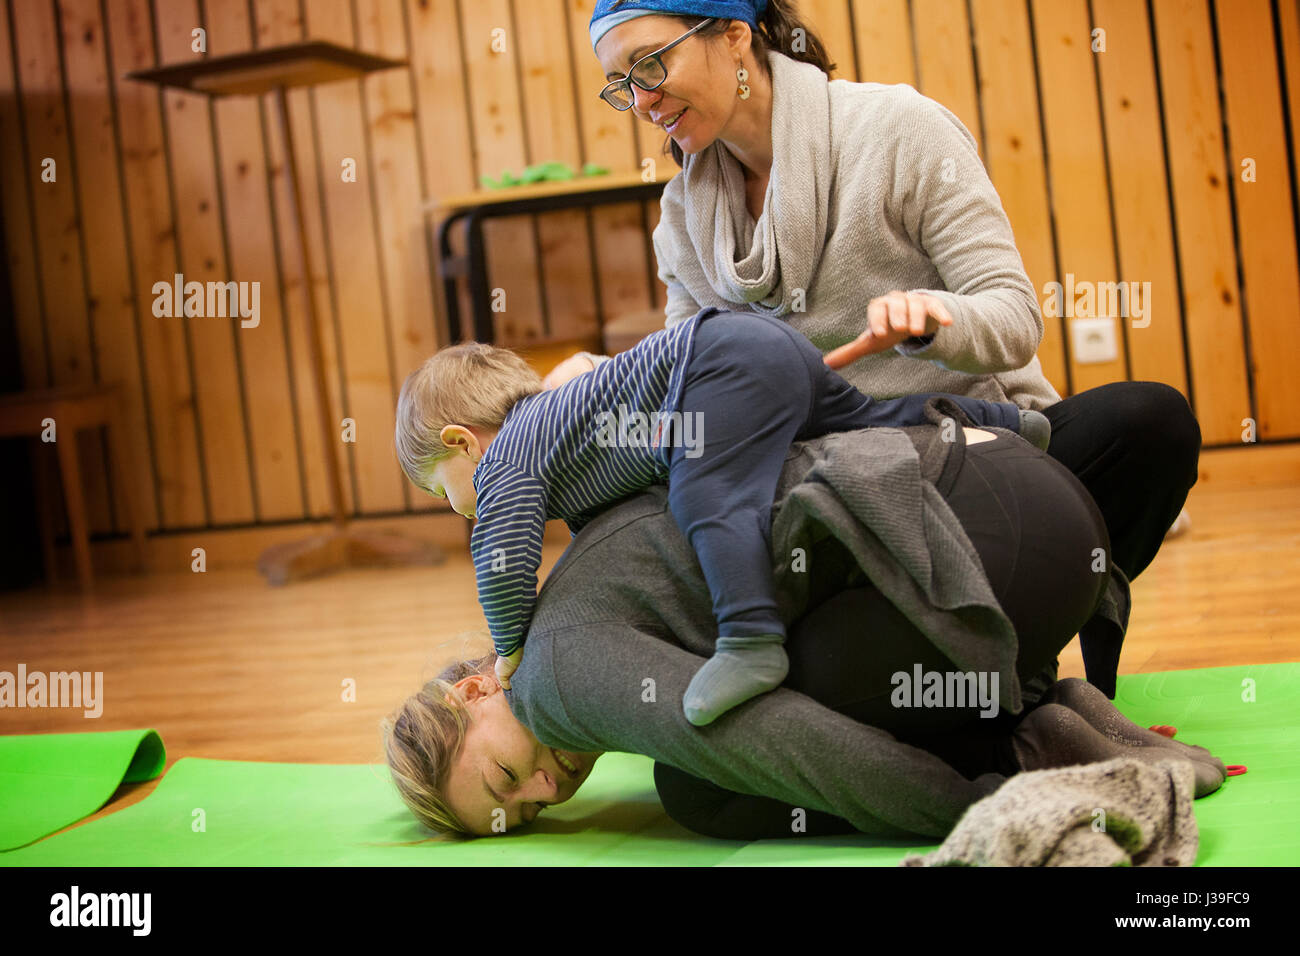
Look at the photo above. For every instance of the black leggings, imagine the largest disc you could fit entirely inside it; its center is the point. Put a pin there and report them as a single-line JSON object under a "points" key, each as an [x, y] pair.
{"points": [[1037, 531], [1135, 446], [1044, 546]]}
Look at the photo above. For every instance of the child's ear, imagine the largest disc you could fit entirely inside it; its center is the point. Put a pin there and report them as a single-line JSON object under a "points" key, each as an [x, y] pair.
{"points": [[454, 437]]}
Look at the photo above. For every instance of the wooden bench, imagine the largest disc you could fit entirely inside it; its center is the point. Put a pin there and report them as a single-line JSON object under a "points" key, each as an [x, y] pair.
{"points": [[72, 409]]}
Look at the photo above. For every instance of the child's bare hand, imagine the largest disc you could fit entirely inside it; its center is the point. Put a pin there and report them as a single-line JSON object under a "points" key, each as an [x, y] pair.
{"points": [[507, 666], [570, 368]]}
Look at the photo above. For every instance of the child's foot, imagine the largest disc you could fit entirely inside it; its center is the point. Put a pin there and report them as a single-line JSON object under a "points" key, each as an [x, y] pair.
{"points": [[1035, 428], [740, 668]]}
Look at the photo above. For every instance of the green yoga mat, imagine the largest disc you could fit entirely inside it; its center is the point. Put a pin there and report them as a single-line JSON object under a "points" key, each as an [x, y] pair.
{"points": [[218, 813], [48, 781]]}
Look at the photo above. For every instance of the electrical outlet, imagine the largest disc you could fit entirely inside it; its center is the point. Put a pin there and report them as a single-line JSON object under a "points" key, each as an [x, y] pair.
{"points": [[1094, 340]]}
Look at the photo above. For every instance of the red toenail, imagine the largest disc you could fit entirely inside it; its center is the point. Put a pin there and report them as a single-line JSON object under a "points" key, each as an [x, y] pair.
{"points": [[1165, 730], [1236, 769]]}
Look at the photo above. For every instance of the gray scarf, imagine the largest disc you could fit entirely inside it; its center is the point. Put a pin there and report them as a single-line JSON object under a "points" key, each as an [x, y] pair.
{"points": [[766, 264]]}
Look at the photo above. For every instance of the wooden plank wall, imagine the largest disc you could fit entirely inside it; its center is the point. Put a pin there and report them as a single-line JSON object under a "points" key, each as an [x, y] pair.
{"points": [[1130, 140]]}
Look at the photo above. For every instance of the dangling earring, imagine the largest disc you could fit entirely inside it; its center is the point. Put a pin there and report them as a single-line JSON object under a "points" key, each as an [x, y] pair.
{"points": [[742, 75]]}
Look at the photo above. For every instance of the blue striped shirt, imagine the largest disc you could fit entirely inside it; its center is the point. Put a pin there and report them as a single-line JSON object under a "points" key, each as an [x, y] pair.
{"points": [[566, 454]]}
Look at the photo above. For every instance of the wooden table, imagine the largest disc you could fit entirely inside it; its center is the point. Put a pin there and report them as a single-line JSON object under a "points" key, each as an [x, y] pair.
{"points": [[476, 207], [71, 409]]}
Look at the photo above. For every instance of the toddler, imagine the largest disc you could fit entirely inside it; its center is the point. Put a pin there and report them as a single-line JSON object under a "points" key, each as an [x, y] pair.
{"points": [[710, 406]]}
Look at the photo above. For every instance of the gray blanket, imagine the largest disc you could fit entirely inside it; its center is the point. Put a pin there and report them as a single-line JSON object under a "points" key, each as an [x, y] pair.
{"points": [[1123, 812]]}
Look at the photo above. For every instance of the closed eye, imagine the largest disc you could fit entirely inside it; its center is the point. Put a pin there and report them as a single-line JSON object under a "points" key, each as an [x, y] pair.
{"points": [[540, 805]]}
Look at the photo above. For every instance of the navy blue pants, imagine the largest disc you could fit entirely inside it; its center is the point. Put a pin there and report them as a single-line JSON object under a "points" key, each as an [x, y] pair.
{"points": [[756, 385]]}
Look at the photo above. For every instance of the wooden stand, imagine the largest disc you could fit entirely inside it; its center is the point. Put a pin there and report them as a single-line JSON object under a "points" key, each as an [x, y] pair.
{"points": [[273, 71], [342, 548]]}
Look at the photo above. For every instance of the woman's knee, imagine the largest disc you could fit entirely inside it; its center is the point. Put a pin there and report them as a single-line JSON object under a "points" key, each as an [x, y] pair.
{"points": [[1156, 419], [688, 800]]}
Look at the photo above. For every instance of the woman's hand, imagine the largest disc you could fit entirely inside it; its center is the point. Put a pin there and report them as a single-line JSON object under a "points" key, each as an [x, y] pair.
{"points": [[506, 666], [892, 318], [570, 368]]}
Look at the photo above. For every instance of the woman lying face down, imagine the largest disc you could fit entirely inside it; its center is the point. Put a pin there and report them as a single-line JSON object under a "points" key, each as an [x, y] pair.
{"points": [[490, 773], [628, 602], [463, 763]]}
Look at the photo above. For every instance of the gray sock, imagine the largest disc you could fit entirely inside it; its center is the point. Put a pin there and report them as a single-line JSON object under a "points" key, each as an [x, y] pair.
{"points": [[1035, 428], [1094, 707], [1052, 735], [740, 668]]}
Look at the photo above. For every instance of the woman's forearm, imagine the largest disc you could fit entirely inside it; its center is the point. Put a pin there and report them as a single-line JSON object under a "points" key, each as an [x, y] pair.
{"points": [[995, 330]]}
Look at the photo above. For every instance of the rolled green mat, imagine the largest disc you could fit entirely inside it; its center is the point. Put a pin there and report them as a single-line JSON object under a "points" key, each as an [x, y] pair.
{"points": [[48, 781]]}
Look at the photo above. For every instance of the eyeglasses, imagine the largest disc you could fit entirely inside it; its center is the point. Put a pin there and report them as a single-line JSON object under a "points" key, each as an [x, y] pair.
{"points": [[648, 73]]}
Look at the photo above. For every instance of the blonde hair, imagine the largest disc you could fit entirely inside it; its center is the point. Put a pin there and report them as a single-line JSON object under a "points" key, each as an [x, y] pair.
{"points": [[470, 384], [422, 738]]}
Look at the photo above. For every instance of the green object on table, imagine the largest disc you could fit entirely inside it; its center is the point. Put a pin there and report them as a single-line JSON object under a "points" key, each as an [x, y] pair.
{"points": [[550, 171], [309, 815], [48, 781]]}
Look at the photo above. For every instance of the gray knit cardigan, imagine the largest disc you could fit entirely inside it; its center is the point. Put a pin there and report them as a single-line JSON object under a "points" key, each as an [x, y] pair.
{"points": [[903, 202]]}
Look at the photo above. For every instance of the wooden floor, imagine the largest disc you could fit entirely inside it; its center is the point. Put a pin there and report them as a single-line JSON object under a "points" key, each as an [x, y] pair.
{"points": [[223, 666]]}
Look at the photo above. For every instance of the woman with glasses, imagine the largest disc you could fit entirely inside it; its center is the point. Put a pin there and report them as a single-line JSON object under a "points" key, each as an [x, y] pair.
{"points": [[861, 214]]}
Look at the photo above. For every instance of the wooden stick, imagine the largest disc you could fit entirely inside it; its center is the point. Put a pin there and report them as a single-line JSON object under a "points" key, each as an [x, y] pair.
{"points": [[328, 436]]}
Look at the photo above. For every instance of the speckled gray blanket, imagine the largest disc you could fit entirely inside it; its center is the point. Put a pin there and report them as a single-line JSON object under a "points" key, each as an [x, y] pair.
{"points": [[1119, 813]]}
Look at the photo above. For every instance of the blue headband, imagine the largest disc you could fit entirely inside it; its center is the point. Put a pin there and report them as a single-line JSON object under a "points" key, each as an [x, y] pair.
{"points": [[604, 18]]}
